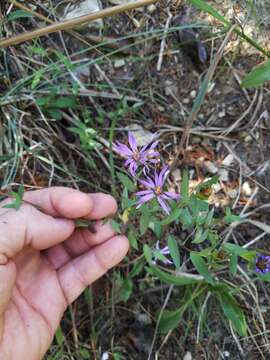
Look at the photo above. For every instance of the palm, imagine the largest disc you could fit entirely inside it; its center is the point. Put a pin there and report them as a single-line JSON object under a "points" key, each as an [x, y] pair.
{"points": [[36, 306], [44, 282]]}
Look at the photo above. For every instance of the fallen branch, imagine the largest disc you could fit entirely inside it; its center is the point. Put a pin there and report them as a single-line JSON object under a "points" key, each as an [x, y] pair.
{"points": [[69, 24]]}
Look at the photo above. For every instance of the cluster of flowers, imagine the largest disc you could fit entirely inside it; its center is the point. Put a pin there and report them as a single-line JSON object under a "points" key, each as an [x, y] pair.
{"points": [[144, 158]]}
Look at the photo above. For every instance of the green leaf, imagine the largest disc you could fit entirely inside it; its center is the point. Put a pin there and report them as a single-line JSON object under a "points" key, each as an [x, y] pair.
{"points": [[60, 337], [233, 312], [144, 222], [18, 199], [64, 102], [204, 6], [186, 218], [170, 320], [208, 183], [125, 180], [174, 251], [174, 215], [239, 251], [126, 289], [133, 239], [116, 227], [200, 236], [201, 267], [230, 218], [257, 76], [147, 251], [85, 354], [172, 279], [19, 14], [233, 264], [137, 268], [185, 186]]}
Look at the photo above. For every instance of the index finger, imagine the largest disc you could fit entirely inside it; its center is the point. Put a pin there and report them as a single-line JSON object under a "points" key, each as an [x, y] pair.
{"points": [[71, 203]]}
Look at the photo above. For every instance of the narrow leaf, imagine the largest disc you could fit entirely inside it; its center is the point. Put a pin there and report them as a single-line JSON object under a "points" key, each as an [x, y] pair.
{"points": [[201, 267], [174, 251]]}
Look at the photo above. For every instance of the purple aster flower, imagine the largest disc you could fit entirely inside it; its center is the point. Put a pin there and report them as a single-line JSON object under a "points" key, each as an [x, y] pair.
{"points": [[135, 156], [159, 251], [262, 264], [155, 190]]}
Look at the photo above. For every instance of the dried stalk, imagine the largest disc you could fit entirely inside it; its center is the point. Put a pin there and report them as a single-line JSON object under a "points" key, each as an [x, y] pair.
{"points": [[69, 24]]}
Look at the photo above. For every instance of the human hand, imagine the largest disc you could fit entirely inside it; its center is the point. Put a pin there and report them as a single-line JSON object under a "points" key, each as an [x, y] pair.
{"points": [[45, 264]]}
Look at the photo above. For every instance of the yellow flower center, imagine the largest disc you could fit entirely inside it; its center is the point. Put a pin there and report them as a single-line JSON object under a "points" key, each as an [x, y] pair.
{"points": [[136, 156], [158, 190]]}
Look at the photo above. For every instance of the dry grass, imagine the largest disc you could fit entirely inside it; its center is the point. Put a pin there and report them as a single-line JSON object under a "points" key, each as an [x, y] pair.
{"points": [[229, 135]]}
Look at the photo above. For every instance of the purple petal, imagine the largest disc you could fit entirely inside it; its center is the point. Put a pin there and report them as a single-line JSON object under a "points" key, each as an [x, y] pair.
{"points": [[144, 192], [164, 206], [162, 176], [132, 142], [171, 195], [145, 198], [154, 145], [122, 148], [149, 183], [133, 168]]}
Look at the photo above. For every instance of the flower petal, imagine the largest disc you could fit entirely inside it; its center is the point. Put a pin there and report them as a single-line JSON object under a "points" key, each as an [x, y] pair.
{"points": [[162, 176], [171, 195], [132, 142], [163, 204], [123, 149], [144, 192], [145, 198], [148, 183]]}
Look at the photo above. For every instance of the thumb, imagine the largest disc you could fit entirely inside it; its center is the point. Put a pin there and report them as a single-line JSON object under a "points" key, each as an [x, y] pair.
{"points": [[18, 229]]}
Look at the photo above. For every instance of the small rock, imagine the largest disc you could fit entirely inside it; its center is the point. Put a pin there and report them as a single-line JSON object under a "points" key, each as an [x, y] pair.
{"points": [[186, 100], [84, 8], [217, 187], [224, 175], [176, 175], [118, 63], [151, 8], [246, 189], [143, 319], [222, 113], [187, 356], [105, 356], [211, 167], [193, 94], [232, 193], [170, 88], [228, 160], [142, 136], [248, 138], [226, 354]]}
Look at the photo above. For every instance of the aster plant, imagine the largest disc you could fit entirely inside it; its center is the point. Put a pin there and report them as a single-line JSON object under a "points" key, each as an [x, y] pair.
{"points": [[157, 216]]}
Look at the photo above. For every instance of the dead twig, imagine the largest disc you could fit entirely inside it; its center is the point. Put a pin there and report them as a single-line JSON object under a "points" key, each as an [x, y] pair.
{"points": [[69, 24]]}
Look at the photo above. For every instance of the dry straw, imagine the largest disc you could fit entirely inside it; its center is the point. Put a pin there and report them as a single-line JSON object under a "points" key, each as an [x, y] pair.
{"points": [[69, 24]]}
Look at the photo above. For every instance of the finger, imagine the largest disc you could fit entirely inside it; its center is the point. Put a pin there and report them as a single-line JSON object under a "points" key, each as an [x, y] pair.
{"points": [[57, 256], [70, 203], [83, 239], [78, 243], [75, 276], [29, 227], [61, 201], [103, 206]]}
